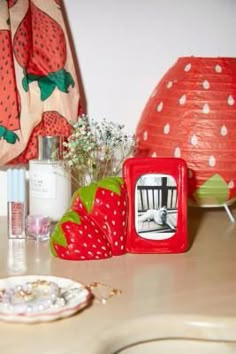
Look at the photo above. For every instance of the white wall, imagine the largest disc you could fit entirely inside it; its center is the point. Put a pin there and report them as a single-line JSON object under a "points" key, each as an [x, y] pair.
{"points": [[125, 46]]}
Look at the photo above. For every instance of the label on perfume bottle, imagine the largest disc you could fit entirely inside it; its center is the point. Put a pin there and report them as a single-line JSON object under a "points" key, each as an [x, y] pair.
{"points": [[43, 185]]}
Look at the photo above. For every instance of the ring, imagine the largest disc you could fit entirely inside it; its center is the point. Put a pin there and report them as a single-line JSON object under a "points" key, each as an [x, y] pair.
{"points": [[31, 297]]}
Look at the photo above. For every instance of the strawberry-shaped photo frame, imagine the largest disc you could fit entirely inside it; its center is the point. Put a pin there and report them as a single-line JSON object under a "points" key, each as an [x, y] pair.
{"points": [[95, 226], [157, 195]]}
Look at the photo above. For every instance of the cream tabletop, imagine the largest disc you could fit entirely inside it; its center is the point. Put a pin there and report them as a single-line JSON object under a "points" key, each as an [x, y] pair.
{"points": [[189, 296]]}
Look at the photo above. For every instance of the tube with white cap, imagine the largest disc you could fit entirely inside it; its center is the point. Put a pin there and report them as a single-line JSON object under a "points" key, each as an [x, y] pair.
{"points": [[16, 202]]}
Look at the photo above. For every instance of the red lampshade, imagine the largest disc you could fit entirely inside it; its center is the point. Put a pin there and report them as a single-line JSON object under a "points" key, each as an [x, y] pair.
{"points": [[192, 114]]}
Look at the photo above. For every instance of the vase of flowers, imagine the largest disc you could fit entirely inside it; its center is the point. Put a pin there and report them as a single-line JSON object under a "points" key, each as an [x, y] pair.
{"points": [[95, 150]]}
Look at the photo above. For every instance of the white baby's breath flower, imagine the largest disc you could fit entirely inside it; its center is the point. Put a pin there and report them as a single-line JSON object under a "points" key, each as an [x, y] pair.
{"points": [[96, 149]]}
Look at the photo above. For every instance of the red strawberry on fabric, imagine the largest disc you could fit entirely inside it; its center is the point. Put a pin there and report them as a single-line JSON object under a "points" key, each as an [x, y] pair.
{"points": [[9, 98], [105, 203], [52, 124], [77, 237], [40, 49], [11, 3]]}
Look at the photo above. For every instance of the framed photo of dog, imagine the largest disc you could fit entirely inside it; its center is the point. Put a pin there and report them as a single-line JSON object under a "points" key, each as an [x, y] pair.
{"points": [[157, 198]]}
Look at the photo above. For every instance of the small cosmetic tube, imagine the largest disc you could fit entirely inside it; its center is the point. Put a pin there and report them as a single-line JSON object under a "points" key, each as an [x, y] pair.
{"points": [[16, 202]]}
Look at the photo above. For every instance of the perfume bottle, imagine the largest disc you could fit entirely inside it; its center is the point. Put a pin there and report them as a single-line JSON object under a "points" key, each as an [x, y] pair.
{"points": [[16, 202], [49, 181]]}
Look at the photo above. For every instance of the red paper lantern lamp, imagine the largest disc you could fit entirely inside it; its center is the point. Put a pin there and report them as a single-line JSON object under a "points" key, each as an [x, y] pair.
{"points": [[192, 114]]}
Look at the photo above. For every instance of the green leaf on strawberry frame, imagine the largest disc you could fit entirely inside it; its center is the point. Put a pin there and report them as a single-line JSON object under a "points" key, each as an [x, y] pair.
{"points": [[118, 179], [87, 196], [213, 191], [57, 235], [111, 183], [70, 215]]}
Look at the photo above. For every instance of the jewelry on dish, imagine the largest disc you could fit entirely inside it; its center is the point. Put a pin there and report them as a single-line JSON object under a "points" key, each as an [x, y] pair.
{"points": [[107, 291], [70, 293], [31, 297], [34, 295], [39, 296]]}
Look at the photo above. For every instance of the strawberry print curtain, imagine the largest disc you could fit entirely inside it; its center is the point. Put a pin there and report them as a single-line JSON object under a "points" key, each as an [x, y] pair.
{"points": [[39, 93]]}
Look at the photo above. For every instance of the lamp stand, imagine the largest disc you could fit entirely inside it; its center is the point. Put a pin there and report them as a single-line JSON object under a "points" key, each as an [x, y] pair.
{"points": [[230, 215]]}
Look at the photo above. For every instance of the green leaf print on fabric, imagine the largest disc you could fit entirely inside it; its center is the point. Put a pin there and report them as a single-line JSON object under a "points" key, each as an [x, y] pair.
{"points": [[8, 135]]}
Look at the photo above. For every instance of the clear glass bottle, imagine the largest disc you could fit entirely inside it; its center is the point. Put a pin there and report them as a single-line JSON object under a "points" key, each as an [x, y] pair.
{"points": [[49, 181]]}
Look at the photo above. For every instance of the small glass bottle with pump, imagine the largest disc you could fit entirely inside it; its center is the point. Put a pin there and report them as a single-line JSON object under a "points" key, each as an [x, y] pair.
{"points": [[49, 181]]}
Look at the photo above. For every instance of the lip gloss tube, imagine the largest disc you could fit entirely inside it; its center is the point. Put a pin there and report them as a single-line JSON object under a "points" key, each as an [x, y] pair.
{"points": [[16, 203]]}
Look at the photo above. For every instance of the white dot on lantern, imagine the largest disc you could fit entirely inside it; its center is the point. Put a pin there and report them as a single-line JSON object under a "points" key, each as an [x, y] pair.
{"points": [[145, 135], [218, 68], [206, 108], [182, 99], [166, 128], [177, 152], [169, 84], [154, 154], [231, 100], [194, 140], [212, 161], [187, 67], [223, 130], [160, 107], [206, 84], [231, 184]]}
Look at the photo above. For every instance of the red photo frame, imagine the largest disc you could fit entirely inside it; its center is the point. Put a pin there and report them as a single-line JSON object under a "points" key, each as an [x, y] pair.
{"points": [[157, 197]]}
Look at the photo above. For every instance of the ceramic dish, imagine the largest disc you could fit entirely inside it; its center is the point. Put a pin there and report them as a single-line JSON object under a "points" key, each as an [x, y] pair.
{"points": [[19, 303]]}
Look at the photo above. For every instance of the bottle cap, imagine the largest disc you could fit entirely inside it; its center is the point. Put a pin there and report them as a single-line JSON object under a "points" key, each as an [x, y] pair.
{"points": [[49, 147], [21, 185], [16, 185]]}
